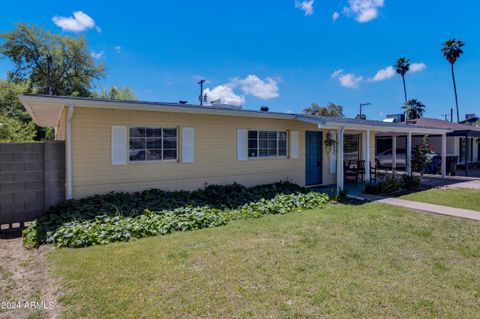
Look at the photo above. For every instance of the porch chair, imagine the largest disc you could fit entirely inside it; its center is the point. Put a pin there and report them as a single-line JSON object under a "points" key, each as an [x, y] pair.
{"points": [[349, 171]]}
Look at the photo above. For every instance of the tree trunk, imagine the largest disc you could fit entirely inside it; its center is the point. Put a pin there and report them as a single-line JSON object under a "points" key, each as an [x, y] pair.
{"points": [[406, 100], [455, 91], [49, 75]]}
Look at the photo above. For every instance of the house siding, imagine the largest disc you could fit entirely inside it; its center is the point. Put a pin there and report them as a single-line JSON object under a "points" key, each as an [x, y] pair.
{"points": [[215, 153]]}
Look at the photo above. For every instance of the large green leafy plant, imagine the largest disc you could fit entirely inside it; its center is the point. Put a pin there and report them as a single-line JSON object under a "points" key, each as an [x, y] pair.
{"points": [[223, 198]]}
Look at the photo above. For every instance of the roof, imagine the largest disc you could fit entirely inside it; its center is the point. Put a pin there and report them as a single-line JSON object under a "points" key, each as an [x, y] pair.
{"points": [[47, 109], [455, 128]]}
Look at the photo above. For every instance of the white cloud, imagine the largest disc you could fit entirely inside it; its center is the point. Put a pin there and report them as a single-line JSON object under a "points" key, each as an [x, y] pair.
{"points": [[306, 6], [335, 16], [118, 48], [383, 74], [79, 22], [253, 85], [225, 94], [364, 10], [97, 55], [417, 67], [250, 85], [348, 80]]}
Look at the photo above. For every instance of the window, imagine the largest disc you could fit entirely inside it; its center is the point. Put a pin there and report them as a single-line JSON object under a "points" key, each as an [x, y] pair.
{"points": [[153, 143], [267, 143], [351, 146]]}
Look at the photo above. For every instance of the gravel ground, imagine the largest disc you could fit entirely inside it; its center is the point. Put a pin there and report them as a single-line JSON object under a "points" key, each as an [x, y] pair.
{"points": [[27, 290]]}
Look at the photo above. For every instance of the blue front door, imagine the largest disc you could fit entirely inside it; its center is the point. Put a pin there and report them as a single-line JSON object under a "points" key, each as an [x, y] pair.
{"points": [[313, 157]]}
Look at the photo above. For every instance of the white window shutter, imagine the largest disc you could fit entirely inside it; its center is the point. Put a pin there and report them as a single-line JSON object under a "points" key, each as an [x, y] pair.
{"points": [[242, 145], [188, 145], [294, 144], [119, 145]]}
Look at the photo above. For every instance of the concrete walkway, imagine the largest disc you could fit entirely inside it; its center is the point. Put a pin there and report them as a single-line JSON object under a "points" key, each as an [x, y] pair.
{"points": [[436, 209]]}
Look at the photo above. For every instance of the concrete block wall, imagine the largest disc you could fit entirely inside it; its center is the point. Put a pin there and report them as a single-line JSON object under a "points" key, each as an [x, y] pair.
{"points": [[32, 178]]}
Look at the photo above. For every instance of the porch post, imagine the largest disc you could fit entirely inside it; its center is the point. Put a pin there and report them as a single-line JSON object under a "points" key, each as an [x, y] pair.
{"points": [[409, 153], [366, 156], [394, 153], [467, 153], [340, 132], [444, 155]]}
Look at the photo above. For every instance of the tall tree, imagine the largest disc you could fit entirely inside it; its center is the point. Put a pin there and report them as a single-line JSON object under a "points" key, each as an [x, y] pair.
{"points": [[414, 109], [452, 50], [117, 93], [49, 63], [402, 66], [330, 110]]}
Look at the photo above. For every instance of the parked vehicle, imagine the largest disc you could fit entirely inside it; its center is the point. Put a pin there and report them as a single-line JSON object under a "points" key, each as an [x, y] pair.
{"points": [[385, 158]]}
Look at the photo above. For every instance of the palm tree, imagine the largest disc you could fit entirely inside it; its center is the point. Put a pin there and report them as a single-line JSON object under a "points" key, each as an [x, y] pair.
{"points": [[414, 109], [402, 66], [452, 50]]}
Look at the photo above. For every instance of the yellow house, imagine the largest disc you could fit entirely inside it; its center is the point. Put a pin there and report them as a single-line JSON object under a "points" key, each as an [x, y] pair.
{"points": [[133, 145]]}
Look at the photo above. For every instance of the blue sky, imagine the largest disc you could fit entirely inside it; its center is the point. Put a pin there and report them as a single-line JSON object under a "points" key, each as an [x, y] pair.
{"points": [[278, 53]]}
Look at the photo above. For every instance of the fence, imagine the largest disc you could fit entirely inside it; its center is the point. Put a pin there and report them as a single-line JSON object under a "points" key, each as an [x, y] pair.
{"points": [[32, 178]]}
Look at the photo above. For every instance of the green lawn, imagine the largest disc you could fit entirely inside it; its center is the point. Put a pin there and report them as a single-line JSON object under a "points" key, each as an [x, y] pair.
{"points": [[340, 262], [454, 197]]}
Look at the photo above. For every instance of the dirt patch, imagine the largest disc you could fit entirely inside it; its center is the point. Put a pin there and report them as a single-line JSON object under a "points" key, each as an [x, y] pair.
{"points": [[27, 290]]}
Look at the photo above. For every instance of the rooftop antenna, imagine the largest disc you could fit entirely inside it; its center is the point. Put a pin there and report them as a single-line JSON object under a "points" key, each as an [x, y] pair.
{"points": [[361, 106], [445, 116], [201, 97]]}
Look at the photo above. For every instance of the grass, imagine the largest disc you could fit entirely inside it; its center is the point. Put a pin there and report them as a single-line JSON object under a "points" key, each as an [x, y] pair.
{"points": [[344, 261], [454, 197]]}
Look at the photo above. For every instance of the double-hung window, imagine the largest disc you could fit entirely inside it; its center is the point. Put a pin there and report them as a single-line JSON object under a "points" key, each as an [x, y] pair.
{"points": [[267, 143], [152, 144]]}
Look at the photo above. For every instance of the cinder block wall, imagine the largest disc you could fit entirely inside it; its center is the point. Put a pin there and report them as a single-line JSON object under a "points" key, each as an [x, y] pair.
{"points": [[32, 178]]}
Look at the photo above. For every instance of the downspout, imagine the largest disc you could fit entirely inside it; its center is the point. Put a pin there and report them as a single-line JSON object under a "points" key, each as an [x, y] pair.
{"points": [[69, 150]]}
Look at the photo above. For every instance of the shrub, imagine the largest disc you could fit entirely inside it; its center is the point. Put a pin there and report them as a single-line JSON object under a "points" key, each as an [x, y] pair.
{"points": [[390, 184], [107, 229], [385, 185], [410, 181], [134, 204]]}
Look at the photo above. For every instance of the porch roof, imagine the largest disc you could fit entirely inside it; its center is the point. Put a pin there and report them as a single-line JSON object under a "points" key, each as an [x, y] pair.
{"points": [[379, 126]]}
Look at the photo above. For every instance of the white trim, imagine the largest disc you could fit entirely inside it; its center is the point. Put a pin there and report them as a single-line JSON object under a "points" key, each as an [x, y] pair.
{"points": [[395, 129], [71, 109]]}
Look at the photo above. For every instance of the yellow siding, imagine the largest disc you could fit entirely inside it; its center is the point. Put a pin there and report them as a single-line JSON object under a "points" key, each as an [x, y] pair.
{"points": [[61, 128], [215, 153]]}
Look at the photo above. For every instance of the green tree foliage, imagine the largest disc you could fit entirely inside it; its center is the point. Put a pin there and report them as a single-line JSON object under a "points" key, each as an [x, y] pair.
{"points": [[49, 63], [402, 66], [15, 123], [14, 130], [330, 110], [452, 50], [414, 109], [361, 117], [117, 93], [10, 104]]}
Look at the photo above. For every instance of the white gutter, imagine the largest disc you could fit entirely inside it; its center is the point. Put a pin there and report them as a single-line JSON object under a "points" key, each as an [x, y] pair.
{"points": [[68, 146]]}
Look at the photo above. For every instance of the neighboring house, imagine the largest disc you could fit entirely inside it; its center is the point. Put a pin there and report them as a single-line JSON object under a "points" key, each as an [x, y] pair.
{"points": [[132, 145], [471, 119]]}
